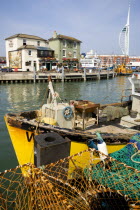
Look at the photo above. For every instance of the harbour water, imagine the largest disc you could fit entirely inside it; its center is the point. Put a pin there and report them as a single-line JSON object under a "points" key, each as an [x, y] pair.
{"points": [[20, 97]]}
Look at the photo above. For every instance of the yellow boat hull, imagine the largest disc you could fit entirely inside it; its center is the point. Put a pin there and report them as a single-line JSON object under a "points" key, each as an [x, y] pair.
{"points": [[23, 143]]}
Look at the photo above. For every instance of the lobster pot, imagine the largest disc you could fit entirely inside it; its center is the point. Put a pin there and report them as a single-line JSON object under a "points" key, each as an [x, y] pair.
{"points": [[63, 114], [49, 148]]}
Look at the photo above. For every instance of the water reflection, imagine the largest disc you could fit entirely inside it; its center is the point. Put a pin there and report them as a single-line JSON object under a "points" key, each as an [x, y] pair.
{"points": [[31, 96], [25, 96]]}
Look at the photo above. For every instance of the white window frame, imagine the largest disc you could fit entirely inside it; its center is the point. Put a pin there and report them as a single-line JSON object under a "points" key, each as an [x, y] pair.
{"points": [[75, 45], [64, 53], [30, 52], [38, 43], [74, 54], [64, 43]]}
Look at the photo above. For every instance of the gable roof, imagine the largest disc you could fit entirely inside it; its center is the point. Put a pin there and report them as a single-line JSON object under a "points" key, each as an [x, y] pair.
{"points": [[60, 36], [27, 36]]}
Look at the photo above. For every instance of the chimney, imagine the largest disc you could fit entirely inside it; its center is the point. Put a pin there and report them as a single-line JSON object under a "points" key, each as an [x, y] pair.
{"points": [[54, 34]]}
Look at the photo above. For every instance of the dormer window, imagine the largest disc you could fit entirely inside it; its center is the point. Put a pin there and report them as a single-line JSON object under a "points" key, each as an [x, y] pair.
{"points": [[38, 43], [24, 41]]}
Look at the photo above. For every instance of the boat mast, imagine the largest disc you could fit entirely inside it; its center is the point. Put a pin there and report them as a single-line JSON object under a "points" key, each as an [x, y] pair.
{"points": [[52, 94], [124, 36]]}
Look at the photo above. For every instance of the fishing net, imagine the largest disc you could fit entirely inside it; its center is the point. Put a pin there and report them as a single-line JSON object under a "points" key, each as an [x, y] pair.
{"points": [[130, 154], [83, 181], [112, 112]]}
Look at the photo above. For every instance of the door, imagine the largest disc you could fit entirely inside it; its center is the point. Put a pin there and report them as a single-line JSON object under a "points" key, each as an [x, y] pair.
{"points": [[48, 66]]}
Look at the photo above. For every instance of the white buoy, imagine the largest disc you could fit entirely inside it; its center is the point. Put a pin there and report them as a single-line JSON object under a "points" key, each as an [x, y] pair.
{"points": [[101, 145], [103, 149]]}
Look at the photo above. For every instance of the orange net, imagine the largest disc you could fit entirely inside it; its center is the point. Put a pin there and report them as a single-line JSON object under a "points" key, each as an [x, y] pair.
{"points": [[81, 181]]}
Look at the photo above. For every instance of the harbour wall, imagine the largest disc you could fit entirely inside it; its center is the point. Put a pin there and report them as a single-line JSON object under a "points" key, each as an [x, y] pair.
{"points": [[30, 77]]}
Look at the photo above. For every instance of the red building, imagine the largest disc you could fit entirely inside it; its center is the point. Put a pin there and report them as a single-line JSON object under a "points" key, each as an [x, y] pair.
{"points": [[109, 60]]}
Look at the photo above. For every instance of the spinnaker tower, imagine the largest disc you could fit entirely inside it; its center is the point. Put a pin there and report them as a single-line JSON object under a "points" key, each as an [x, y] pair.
{"points": [[124, 37]]}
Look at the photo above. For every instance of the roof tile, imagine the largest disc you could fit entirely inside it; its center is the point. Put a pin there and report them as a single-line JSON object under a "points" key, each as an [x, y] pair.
{"points": [[26, 36]]}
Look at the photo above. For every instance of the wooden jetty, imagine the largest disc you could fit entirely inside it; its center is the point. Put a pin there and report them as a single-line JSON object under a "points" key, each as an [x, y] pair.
{"points": [[30, 77]]}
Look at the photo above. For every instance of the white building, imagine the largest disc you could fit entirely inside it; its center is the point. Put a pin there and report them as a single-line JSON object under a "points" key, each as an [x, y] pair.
{"points": [[27, 52]]}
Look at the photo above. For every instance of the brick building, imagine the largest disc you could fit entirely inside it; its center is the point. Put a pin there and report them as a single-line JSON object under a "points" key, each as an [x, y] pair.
{"points": [[108, 60]]}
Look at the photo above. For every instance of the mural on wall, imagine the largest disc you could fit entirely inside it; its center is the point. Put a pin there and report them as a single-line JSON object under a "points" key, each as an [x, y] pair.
{"points": [[15, 59]]}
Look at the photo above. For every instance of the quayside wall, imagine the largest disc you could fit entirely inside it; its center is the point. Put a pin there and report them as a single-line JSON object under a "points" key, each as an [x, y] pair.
{"points": [[30, 77]]}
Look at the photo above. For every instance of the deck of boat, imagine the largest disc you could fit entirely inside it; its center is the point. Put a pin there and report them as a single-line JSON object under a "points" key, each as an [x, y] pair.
{"points": [[113, 129]]}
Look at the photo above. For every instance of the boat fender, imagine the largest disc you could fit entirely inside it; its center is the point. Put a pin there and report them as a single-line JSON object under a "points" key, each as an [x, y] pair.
{"points": [[67, 112], [91, 144], [101, 145]]}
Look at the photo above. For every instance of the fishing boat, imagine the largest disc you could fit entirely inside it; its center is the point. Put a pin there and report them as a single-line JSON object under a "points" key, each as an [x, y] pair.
{"points": [[76, 121], [123, 70]]}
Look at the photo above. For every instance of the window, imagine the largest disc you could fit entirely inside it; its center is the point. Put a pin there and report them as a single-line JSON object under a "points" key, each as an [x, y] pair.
{"points": [[64, 43], [28, 63], [29, 52], [64, 53], [10, 43], [75, 45], [70, 44], [24, 41], [74, 54], [45, 53], [38, 43]]}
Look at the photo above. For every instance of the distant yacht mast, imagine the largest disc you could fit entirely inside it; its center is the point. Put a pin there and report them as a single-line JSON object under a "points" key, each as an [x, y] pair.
{"points": [[124, 37]]}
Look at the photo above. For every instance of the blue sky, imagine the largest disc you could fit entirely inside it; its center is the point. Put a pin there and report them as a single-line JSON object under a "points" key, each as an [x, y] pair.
{"points": [[97, 23]]}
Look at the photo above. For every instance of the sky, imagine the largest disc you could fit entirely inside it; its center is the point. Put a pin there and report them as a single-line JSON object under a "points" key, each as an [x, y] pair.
{"points": [[97, 23]]}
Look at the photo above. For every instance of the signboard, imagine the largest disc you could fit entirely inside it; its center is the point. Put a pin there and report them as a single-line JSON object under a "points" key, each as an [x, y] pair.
{"points": [[15, 59]]}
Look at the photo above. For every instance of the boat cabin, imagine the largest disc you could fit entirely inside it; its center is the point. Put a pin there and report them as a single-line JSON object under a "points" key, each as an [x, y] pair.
{"points": [[133, 119]]}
